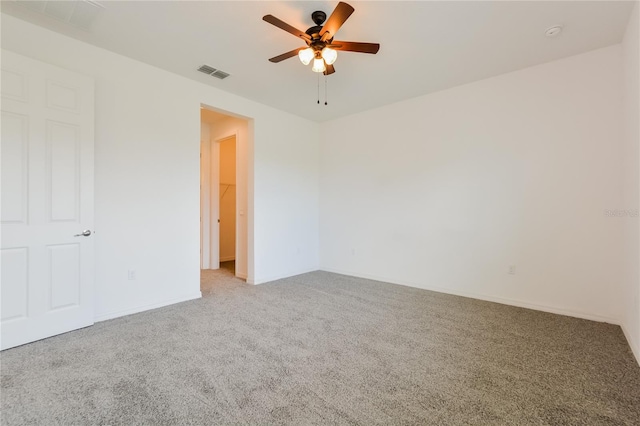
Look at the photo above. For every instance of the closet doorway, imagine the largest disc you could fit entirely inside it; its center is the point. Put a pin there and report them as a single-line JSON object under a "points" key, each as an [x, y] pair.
{"points": [[223, 192]]}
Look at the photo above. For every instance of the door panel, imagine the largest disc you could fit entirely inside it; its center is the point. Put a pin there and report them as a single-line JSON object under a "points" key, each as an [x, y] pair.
{"points": [[64, 276], [14, 167], [15, 297], [47, 198], [63, 171]]}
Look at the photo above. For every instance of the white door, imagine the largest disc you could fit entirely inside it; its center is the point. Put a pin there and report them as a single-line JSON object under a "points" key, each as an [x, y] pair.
{"points": [[215, 206], [227, 198], [47, 199]]}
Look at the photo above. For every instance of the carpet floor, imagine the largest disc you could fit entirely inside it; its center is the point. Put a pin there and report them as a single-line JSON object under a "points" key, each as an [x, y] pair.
{"points": [[322, 348]]}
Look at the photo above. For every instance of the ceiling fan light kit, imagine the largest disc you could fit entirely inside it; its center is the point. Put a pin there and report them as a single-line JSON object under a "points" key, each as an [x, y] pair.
{"points": [[321, 46]]}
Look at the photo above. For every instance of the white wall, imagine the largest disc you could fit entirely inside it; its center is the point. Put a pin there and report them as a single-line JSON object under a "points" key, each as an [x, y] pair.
{"points": [[631, 156], [447, 190], [147, 176], [287, 168]]}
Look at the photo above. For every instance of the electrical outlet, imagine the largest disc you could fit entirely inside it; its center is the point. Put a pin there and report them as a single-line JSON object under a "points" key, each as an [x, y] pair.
{"points": [[131, 274], [512, 269]]}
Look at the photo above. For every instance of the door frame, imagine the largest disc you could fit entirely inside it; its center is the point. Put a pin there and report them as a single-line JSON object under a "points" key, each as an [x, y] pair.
{"points": [[205, 204], [245, 146], [210, 220]]}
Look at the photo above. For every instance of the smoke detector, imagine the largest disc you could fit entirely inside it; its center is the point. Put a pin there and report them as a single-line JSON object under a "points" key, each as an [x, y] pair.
{"points": [[553, 31]]}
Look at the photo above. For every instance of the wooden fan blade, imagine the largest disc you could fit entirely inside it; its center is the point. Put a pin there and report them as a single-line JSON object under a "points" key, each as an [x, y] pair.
{"points": [[287, 55], [330, 70], [284, 26], [335, 21], [354, 46]]}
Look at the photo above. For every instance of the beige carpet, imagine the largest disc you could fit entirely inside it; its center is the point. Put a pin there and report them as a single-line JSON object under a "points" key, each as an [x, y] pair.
{"points": [[225, 276], [322, 348]]}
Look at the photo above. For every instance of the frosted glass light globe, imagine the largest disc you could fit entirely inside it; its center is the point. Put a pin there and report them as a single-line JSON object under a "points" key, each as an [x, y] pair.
{"points": [[306, 55], [329, 55], [318, 65]]}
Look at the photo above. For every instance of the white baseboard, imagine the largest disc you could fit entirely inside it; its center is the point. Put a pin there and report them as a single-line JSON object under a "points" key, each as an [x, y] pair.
{"points": [[501, 300], [634, 349], [240, 275], [227, 259], [261, 280], [138, 309]]}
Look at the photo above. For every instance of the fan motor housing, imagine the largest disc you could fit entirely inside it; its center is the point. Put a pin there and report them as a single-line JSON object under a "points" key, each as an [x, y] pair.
{"points": [[318, 18], [314, 31]]}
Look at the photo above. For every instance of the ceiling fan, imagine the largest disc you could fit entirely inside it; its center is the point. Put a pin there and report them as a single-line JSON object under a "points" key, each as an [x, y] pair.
{"points": [[321, 46]]}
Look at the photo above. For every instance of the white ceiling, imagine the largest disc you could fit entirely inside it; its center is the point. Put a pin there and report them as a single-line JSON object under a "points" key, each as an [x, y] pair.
{"points": [[426, 46]]}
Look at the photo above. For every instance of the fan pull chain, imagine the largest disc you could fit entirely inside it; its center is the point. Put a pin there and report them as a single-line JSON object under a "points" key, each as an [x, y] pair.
{"points": [[325, 89], [318, 89]]}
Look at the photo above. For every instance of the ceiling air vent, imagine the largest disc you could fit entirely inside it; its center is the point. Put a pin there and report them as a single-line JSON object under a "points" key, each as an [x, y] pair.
{"points": [[213, 72], [207, 69]]}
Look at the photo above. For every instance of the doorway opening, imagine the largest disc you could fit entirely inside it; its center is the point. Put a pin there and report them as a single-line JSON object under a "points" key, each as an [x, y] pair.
{"points": [[225, 143]]}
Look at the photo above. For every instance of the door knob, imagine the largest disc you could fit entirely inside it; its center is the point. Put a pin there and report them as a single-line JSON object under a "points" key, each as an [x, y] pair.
{"points": [[85, 233]]}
